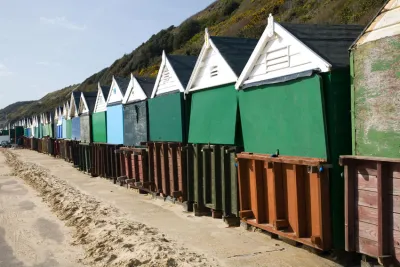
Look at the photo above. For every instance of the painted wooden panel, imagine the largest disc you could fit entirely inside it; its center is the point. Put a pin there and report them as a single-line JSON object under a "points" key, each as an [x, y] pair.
{"points": [[213, 116], [213, 71], [86, 128], [76, 129], [167, 118], [115, 124], [376, 126], [99, 126], [69, 129], [135, 123], [287, 116]]}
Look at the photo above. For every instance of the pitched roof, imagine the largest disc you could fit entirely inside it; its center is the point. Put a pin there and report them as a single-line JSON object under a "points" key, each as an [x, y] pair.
{"points": [[235, 51], [183, 67], [90, 98], [122, 84], [105, 90], [147, 84], [331, 42]]}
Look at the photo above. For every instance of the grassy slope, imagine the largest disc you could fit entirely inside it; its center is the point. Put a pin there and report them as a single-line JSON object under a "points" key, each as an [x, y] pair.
{"points": [[247, 19]]}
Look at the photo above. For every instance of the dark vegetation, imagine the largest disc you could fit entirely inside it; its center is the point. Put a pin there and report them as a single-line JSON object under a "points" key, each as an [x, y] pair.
{"points": [[244, 18]]}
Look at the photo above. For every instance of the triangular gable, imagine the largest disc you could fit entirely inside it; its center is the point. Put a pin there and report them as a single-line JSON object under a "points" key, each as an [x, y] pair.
{"points": [[211, 68], [101, 104], [83, 107], [279, 54], [115, 95], [134, 92], [73, 111], [56, 114], [167, 80]]}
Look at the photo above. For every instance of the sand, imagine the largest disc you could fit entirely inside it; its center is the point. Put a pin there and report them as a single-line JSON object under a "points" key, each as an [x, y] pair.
{"points": [[30, 234], [107, 235]]}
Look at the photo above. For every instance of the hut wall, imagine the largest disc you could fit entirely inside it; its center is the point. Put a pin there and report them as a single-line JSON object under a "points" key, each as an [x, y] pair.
{"points": [[76, 129], [167, 118], [69, 129], [86, 129], [115, 124], [375, 99], [99, 127], [213, 116], [135, 123], [64, 128], [286, 116]]}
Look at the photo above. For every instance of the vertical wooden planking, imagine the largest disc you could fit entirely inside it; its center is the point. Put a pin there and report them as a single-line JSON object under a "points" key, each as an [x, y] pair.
{"points": [[244, 167], [256, 189], [300, 211], [350, 206], [383, 210]]}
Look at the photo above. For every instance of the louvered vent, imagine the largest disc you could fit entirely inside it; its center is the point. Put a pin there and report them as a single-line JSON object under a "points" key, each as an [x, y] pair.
{"points": [[214, 71], [277, 59], [166, 76]]}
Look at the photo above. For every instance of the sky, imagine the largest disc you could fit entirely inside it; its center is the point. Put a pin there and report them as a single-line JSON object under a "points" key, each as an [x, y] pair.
{"points": [[46, 45]]}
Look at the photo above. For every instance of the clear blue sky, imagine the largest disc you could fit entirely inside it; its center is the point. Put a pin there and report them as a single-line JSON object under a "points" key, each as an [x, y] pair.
{"points": [[46, 45]]}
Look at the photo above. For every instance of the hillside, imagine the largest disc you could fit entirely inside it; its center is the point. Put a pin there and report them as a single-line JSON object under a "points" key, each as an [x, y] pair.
{"points": [[29, 108], [244, 18]]}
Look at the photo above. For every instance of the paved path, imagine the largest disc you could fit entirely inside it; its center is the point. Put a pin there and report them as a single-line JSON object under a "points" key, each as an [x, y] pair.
{"points": [[30, 235], [229, 246]]}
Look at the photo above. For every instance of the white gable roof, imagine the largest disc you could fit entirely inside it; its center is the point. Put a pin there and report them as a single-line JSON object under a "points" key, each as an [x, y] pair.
{"points": [[83, 107], [115, 94], [134, 92], [101, 104], [211, 69], [167, 80], [278, 54]]}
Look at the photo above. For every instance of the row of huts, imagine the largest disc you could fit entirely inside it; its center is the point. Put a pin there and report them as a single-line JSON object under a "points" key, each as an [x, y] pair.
{"points": [[254, 130]]}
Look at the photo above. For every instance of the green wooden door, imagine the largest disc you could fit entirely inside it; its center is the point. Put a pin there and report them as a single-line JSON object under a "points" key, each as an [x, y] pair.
{"points": [[287, 116], [167, 118], [99, 127], [213, 116]]}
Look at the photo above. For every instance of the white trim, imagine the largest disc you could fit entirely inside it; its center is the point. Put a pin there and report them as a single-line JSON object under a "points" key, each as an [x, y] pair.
{"points": [[137, 89], [165, 63], [272, 30], [229, 77]]}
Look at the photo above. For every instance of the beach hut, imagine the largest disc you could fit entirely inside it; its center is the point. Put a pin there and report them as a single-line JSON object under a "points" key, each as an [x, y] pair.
{"points": [[115, 113], [136, 128], [372, 172], [167, 114], [294, 100], [99, 118], [74, 115], [86, 107], [214, 119], [168, 123]]}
